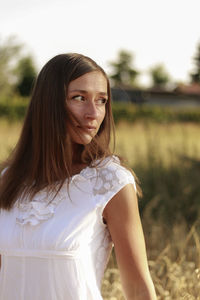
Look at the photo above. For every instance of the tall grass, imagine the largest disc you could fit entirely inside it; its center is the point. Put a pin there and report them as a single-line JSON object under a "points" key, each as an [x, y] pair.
{"points": [[174, 264], [166, 159], [9, 133], [166, 142]]}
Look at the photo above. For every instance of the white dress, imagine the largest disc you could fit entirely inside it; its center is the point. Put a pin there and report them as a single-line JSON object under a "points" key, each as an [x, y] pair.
{"points": [[59, 251]]}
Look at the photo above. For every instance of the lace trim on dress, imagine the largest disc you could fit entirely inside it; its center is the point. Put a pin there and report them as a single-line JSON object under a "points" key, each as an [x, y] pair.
{"points": [[39, 209], [110, 178]]}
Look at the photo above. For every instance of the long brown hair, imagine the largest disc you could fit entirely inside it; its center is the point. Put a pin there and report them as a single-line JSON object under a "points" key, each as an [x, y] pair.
{"points": [[43, 154]]}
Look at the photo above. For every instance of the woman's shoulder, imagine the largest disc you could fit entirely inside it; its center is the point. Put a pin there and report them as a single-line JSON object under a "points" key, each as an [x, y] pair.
{"points": [[105, 162], [112, 165], [110, 175], [108, 163]]}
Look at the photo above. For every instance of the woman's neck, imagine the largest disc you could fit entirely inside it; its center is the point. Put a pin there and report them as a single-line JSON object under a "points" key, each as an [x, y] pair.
{"points": [[77, 153]]}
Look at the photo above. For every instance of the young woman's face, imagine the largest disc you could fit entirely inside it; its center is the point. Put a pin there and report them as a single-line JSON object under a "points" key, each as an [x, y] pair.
{"points": [[86, 100]]}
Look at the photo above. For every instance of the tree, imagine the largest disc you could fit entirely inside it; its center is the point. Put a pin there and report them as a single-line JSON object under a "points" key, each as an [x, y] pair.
{"points": [[195, 77], [17, 71], [26, 74], [123, 73], [9, 53], [159, 76]]}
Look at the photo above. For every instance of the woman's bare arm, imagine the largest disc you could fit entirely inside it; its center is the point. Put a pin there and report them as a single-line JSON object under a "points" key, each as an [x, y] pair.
{"points": [[123, 220]]}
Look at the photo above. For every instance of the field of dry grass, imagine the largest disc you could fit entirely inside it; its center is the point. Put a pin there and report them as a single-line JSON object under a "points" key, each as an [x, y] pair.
{"points": [[174, 264], [9, 133], [173, 251], [135, 141]]}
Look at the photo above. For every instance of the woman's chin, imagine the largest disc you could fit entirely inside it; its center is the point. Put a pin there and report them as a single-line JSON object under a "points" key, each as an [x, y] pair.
{"points": [[83, 140]]}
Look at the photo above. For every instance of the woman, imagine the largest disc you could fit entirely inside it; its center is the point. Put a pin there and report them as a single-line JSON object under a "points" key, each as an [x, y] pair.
{"points": [[65, 198]]}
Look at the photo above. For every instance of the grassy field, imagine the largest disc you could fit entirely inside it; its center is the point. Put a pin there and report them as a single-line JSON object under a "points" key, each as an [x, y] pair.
{"points": [[166, 158], [9, 133], [168, 141]]}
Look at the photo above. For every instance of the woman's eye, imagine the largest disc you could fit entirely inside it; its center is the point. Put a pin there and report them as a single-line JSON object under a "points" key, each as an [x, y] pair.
{"points": [[102, 100], [78, 97], [99, 101]]}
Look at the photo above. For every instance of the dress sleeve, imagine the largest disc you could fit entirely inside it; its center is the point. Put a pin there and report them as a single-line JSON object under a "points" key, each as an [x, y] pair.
{"points": [[110, 179]]}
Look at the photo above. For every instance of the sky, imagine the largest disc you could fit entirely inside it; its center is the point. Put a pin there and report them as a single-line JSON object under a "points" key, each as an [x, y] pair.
{"points": [[154, 31]]}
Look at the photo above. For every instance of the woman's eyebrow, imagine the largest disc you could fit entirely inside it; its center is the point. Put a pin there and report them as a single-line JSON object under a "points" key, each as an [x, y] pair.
{"points": [[86, 92]]}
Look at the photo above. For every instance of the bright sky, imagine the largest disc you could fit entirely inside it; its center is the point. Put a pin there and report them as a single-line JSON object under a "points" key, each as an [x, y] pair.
{"points": [[155, 31]]}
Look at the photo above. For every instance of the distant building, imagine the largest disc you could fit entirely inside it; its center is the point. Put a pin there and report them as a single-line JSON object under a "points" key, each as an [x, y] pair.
{"points": [[183, 96], [128, 95], [192, 90]]}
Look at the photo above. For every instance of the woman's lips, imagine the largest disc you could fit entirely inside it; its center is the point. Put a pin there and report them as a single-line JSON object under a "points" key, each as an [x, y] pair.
{"points": [[87, 128]]}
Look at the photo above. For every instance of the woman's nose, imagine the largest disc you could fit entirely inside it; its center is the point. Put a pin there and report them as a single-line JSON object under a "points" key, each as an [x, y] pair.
{"points": [[91, 111]]}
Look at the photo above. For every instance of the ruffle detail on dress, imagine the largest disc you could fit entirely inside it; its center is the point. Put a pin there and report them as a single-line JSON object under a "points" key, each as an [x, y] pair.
{"points": [[41, 208]]}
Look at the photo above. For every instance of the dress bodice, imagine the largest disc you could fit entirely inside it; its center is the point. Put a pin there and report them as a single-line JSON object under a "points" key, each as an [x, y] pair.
{"points": [[57, 248]]}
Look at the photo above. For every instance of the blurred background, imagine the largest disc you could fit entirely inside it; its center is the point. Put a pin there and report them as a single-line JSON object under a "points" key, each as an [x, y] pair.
{"points": [[151, 52]]}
